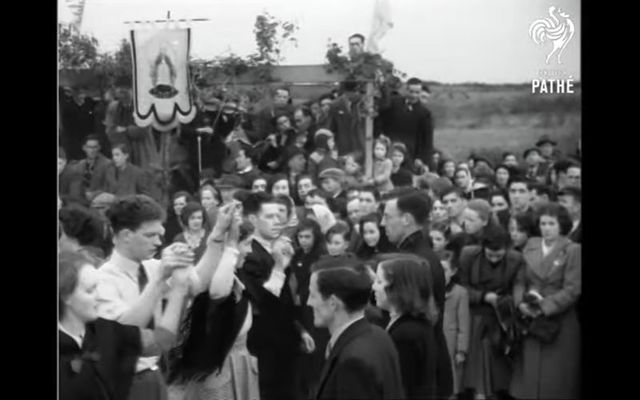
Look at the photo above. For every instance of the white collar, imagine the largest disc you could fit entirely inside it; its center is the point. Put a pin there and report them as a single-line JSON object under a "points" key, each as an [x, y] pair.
{"points": [[246, 170], [125, 264]]}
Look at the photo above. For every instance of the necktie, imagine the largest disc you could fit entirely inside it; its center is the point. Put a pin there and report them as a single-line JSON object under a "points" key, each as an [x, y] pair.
{"points": [[327, 351], [143, 279]]}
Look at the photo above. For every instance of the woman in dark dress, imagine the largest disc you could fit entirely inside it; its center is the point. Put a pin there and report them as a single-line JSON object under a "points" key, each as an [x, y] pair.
{"points": [[310, 246], [488, 272], [374, 239], [196, 228], [403, 287], [98, 356]]}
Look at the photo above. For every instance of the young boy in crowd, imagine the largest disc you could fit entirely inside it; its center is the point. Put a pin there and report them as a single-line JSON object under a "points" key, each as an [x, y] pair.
{"points": [[337, 238]]}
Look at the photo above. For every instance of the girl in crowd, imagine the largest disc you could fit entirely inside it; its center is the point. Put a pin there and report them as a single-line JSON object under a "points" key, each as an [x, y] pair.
{"points": [[400, 174], [439, 212], [310, 246], [211, 199], [195, 230], [213, 362], [337, 238], [173, 226], [499, 201], [403, 287], [502, 175], [457, 322], [324, 156], [546, 292], [97, 357], [521, 228], [374, 240], [488, 271], [439, 235], [382, 165], [447, 169]]}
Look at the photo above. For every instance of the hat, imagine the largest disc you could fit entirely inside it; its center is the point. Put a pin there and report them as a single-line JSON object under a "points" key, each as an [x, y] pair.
{"points": [[333, 173], [230, 182], [481, 206], [545, 139], [103, 200]]}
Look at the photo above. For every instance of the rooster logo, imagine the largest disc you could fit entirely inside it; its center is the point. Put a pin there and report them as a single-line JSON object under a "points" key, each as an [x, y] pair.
{"points": [[559, 29]]}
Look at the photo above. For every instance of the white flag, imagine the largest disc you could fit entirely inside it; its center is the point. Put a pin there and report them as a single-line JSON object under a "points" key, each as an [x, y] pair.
{"points": [[76, 7], [381, 24]]}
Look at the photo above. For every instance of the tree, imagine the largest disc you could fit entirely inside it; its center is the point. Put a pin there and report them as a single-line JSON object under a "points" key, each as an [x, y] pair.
{"points": [[112, 67], [75, 50]]}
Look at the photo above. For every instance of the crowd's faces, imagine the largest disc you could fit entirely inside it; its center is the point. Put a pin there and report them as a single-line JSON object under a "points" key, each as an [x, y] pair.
{"points": [[371, 234], [533, 158], [502, 177], [283, 214], [61, 164], [549, 228], [297, 164], [316, 110], [281, 98], [227, 193], [353, 211], [302, 122], [413, 93], [306, 240], [91, 149], [472, 221], [436, 157], [393, 221], [454, 204], [518, 236], [449, 169], [305, 185], [510, 160], [267, 221], [178, 204], [380, 151], [356, 46], [300, 140], [325, 106], [330, 185], [546, 150], [499, 203], [323, 308], [351, 167], [337, 245], [463, 180], [280, 187], [259, 185], [574, 175], [368, 203], [438, 240], [195, 221], [119, 158], [494, 256], [439, 212], [570, 203], [379, 289], [143, 243], [424, 97], [242, 161], [207, 199], [283, 124], [538, 199], [310, 201], [519, 196], [83, 302], [397, 158], [353, 194]]}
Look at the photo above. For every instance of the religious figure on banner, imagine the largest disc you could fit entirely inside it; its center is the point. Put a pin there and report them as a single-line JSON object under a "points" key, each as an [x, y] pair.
{"points": [[161, 78]]}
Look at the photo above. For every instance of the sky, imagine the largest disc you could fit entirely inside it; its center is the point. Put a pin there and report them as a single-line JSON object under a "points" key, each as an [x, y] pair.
{"points": [[449, 41]]}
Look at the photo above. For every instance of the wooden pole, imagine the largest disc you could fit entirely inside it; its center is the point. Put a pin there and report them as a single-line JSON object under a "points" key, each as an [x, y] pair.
{"points": [[368, 137]]}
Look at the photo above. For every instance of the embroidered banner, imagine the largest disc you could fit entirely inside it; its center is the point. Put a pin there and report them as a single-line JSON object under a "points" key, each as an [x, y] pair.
{"points": [[161, 78]]}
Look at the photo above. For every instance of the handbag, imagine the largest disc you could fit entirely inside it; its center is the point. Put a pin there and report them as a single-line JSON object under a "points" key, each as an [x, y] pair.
{"points": [[545, 329]]}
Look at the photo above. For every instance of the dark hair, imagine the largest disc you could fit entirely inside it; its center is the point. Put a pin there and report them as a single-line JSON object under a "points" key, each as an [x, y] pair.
{"points": [[80, 223], [525, 223], [214, 190], [452, 189], [442, 163], [339, 228], [371, 217], [572, 191], [410, 285], [91, 137], [519, 179], [191, 208], [275, 119], [123, 147], [414, 81], [358, 36], [132, 211], [69, 266], [441, 227], [562, 166], [560, 213], [371, 189], [346, 278], [426, 88], [416, 204], [302, 176], [277, 178], [530, 150], [494, 237], [542, 189], [500, 193], [182, 193], [306, 111], [254, 202], [308, 224], [246, 229], [285, 201], [318, 192]]}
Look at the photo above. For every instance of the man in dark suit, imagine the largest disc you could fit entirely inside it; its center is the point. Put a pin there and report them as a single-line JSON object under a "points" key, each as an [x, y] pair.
{"points": [[404, 218], [571, 198], [275, 337], [362, 362], [406, 120], [93, 166], [266, 117], [346, 120]]}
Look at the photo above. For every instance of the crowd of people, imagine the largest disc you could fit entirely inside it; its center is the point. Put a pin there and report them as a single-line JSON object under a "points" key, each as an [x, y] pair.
{"points": [[279, 270]]}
